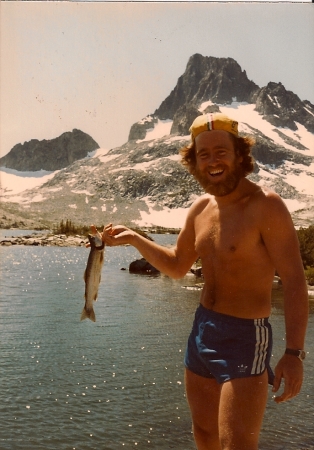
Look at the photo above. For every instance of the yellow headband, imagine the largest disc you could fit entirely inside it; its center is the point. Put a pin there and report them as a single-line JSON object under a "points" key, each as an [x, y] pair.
{"points": [[215, 121]]}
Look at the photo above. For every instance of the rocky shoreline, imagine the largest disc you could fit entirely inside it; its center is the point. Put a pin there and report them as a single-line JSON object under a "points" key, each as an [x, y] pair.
{"points": [[39, 239], [62, 240]]}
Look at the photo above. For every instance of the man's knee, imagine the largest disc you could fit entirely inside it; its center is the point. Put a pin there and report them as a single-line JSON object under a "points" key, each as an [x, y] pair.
{"points": [[206, 437], [238, 441]]}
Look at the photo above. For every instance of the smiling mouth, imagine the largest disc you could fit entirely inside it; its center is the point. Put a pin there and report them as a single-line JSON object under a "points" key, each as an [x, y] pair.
{"points": [[216, 173]]}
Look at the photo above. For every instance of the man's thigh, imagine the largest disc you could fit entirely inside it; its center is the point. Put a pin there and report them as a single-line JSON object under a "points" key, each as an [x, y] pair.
{"points": [[241, 411], [203, 395]]}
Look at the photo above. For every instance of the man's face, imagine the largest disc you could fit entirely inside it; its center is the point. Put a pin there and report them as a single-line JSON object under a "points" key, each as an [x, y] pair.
{"points": [[218, 169]]}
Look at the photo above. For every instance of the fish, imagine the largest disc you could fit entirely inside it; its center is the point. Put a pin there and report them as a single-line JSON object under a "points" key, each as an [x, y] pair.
{"points": [[92, 275]]}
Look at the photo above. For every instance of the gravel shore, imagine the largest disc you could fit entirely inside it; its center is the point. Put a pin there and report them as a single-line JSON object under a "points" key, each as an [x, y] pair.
{"points": [[38, 239]]}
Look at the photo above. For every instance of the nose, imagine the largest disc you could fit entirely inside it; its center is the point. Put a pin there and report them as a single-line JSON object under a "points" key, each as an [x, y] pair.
{"points": [[213, 159]]}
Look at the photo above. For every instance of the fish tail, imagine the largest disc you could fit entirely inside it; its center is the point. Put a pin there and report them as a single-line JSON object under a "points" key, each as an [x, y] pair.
{"points": [[88, 314]]}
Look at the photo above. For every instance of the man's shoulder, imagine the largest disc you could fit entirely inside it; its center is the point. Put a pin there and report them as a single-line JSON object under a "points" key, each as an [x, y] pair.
{"points": [[199, 205], [268, 205], [202, 201], [267, 197]]}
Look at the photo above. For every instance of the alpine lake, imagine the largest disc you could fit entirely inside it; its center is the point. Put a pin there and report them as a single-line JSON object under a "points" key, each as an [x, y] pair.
{"points": [[117, 383]]}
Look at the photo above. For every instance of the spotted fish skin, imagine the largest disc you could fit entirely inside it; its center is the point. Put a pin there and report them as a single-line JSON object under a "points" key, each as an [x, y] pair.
{"points": [[92, 275]]}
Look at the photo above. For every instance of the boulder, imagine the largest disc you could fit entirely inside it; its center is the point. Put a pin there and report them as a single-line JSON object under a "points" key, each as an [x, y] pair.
{"points": [[141, 266], [197, 271]]}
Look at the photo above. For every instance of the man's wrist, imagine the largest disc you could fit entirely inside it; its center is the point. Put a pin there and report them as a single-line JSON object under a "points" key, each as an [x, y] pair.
{"points": [[299, 353]]}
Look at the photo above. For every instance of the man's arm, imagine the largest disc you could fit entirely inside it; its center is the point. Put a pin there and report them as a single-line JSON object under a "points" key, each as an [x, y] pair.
{"points": [[282, 245], [174, 262]]}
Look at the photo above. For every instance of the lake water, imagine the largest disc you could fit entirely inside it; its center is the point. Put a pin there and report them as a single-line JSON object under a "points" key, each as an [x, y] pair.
{"points": [[117, 383]]}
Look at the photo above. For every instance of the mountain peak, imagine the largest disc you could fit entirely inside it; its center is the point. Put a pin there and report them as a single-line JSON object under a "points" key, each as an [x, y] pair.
{"points": [[220, 80], [53, 154], [283, 108]]}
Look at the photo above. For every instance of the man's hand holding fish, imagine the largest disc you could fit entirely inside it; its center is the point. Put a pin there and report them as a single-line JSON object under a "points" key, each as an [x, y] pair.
{"points": [[117, 235]]}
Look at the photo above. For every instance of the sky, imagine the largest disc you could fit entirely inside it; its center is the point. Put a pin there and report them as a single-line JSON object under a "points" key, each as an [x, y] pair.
{"points": [[100, 66]]}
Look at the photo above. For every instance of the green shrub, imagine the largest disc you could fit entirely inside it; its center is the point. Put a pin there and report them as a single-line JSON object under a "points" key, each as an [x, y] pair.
{"points": [[69, 228], [306, 240], [309, 274]]}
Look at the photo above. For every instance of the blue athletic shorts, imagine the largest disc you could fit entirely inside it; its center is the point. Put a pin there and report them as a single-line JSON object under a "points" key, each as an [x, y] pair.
{"points": [[226, 347]]}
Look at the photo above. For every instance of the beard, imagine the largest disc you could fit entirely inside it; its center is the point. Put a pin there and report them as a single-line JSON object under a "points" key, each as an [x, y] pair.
{"points": [[221, 188]]}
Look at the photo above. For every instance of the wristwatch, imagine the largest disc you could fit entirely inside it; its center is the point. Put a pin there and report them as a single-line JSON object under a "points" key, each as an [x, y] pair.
{"points": [[298, 353]]}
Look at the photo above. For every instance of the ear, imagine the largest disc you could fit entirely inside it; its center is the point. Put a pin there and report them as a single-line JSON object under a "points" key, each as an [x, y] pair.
{"points": [[238, 156]]}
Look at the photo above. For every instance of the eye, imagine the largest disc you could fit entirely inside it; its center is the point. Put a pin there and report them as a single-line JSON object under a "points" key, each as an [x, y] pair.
{"points": [[202, 155]]}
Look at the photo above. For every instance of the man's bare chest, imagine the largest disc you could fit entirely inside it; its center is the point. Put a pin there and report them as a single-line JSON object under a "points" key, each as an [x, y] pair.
{"points": [[226, 234]]}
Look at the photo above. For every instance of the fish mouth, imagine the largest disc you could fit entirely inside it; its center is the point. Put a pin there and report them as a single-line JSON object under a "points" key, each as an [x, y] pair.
{"points": [[96, 242]]}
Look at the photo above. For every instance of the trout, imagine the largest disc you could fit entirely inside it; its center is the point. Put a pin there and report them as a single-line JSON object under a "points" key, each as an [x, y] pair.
{"points": [[92, 275]]}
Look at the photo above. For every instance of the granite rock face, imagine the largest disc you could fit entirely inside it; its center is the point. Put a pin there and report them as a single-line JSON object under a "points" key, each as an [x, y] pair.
{"points": [[50, 155], [139, 129], [219, 79], [283, 108], [183, 119]]}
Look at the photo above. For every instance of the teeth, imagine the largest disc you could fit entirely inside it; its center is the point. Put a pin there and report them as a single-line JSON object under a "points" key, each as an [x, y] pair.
{"points": [[216, 172]]}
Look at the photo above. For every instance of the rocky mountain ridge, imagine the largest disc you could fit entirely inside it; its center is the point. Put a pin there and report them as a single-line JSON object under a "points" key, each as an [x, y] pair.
{"points": [[143, 182], [222, 81], [219, 79], [53, 154]]}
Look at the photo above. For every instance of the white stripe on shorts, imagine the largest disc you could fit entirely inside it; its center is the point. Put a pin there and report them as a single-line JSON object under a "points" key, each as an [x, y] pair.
{"points": [[261, 346]]}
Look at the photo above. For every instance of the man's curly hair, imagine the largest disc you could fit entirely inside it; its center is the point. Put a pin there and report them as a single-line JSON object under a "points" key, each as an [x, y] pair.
{"points": [[242, 147]]}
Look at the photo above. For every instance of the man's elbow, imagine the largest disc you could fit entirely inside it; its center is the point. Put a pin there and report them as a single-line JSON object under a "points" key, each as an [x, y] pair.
{"points": [[178, 273]]}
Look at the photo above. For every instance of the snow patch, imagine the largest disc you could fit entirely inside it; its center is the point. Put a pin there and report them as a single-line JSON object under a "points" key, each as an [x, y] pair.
{"points": [[174, 157], [104, 158], [204, 105], [55, 189], [278, 104], [290, 165], [294, 204], [146, 119], [244, 113], [96, 153], [81, 192], [306, 109], [145, 165], [265, 174], [161, 128], [13, 182], [304, 183], [178, 138], [72, 181], [171, 218], [37, 198]]}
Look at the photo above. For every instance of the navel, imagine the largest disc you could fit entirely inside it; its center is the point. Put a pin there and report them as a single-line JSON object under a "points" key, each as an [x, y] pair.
{"points": [[232, 248]]}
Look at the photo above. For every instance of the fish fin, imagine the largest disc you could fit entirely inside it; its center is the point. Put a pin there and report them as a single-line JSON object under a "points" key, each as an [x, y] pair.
{"points": [[88, 314]]}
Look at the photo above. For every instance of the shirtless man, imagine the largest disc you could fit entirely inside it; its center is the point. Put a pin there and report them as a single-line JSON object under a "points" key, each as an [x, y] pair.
{"points": [[242, 233]]}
